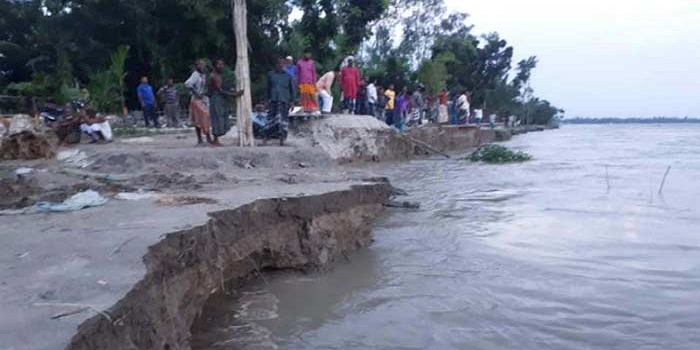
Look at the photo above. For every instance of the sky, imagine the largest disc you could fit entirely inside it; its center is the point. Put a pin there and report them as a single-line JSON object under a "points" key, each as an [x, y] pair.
{"points": [[603, 58]]}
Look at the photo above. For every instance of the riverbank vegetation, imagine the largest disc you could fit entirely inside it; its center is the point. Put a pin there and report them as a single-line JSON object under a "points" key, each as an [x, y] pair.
{"points": [[497, 154], [65, 49]]}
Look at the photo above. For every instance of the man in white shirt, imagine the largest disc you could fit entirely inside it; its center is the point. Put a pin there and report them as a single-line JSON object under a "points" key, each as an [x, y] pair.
{"points": [[324, 86], [478, 115], [463, 107], [372, 96]]}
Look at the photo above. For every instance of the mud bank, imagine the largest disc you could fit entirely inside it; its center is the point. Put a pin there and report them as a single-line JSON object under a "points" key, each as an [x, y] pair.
{"points": [[186, 267], [352, 138], [458, 138]]}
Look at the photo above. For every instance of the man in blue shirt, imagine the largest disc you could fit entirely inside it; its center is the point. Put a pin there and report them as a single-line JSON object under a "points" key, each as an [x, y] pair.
{"points": [[148, 102], [291, 68]]}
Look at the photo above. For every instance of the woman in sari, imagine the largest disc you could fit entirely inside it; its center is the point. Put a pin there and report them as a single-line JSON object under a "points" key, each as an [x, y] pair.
{"points": [[306, 78]]}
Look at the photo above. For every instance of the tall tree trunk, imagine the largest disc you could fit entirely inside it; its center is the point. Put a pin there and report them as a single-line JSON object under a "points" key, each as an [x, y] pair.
{"points": [[244, 107]]}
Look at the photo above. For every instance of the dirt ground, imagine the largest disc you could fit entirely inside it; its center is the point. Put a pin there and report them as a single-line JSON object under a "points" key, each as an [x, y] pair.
{"points": [[164, 163]]}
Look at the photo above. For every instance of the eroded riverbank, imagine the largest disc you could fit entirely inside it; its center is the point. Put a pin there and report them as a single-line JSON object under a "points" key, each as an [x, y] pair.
{"points": [[134, 274], [576, 249]]}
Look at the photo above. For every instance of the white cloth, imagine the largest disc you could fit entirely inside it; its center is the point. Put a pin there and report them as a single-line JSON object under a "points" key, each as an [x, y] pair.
{"points": [[443, 115], [371, 93], [326, 101], [78, 201], [346, 61], [492, 119], [478, 114], [463, 102], [104, 128]]}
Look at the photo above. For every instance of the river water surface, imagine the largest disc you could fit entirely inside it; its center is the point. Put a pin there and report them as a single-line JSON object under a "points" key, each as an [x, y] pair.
{"points": [[573, 250]]}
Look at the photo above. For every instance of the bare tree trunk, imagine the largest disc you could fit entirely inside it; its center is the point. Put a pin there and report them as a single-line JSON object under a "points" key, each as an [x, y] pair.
{"points": [[244, 107]]}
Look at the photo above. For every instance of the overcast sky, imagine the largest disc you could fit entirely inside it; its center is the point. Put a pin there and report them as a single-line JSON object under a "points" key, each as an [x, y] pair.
{"points": [[599, 58]]}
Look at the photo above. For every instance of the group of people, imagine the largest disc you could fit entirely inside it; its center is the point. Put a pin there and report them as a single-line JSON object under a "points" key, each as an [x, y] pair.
{"points": [[297, 82], [74, 124], [315, 94], [208, 110], [149, 105], [289, 83], [359, 96]]}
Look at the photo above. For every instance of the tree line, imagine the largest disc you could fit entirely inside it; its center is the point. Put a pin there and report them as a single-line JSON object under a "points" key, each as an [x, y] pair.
{"points": [[62, 48]]}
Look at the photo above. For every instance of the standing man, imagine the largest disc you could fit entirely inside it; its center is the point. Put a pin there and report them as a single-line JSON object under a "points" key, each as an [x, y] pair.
{"points": [[199, 103], [169, 96], [218, 92], [390, 95], [381, 104], [463, 107], [306, 78], [443, 116], [281, 92], [362, 104], [349, 82], [511, 120], [148, 102], [478, 116], [324, 86], [372, 97], [492, 120], [401, 109], [417, 106], [290, 68]]}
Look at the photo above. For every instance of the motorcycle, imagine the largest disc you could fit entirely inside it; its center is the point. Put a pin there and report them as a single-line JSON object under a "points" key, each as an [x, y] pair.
{"points": [[265, 128], [52, 114]]}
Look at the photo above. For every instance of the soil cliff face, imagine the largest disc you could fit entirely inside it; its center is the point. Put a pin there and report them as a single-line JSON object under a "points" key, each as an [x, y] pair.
{"points": [[186, 267]]}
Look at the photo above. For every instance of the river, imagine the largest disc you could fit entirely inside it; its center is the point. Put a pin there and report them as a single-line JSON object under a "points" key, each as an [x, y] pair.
{"points": [[576, 249]]}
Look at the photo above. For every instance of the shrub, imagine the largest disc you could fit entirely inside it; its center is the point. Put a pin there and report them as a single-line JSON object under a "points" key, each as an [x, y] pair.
{"points": [[496, 154], [107, 87]]}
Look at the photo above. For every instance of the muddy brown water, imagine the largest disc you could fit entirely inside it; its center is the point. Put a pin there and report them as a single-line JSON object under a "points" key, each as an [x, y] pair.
{"points": [[574, 250]]}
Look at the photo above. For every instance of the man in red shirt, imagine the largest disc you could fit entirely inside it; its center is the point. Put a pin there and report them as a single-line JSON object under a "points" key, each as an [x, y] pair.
{"points": [[349, 82]]}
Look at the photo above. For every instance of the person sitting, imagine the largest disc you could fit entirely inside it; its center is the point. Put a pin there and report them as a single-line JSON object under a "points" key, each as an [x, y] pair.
{"points": [[68, 128], [96, 127]]}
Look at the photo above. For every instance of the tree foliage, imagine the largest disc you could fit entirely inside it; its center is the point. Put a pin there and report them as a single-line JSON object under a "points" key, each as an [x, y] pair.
{"points": [[107, 86], [53, 47]]}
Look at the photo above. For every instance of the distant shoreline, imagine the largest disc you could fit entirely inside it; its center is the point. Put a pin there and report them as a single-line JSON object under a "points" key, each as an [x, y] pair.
{"points": [[631, 121]]}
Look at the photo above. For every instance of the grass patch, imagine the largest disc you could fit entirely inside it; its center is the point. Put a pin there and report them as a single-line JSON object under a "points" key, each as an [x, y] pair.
{"points": [[496, 154]]}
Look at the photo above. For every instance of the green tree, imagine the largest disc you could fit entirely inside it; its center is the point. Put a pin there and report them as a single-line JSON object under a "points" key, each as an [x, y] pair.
{"points": [[433, 73], [107, 87]]}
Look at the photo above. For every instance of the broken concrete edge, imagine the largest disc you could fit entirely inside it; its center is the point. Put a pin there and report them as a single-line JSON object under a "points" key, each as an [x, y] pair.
{"points": [[186, 267]]}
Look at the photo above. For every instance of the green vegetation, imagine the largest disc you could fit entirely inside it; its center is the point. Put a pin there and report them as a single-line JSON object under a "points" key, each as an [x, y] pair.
{"points": [[55, 48], [107, 87], [497, 154]]}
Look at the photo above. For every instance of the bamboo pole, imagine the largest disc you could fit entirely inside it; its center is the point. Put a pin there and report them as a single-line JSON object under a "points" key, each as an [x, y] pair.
{"points": [[663, 181], [244, 107]]}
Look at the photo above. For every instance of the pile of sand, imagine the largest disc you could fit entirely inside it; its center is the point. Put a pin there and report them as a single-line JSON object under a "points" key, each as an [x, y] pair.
{"points": [[26, 145]]}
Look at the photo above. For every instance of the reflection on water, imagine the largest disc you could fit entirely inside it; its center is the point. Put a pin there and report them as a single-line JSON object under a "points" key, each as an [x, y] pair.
{"points": [[549, 254]]}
